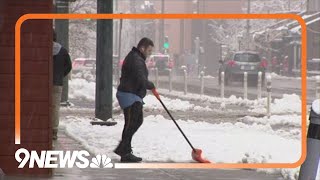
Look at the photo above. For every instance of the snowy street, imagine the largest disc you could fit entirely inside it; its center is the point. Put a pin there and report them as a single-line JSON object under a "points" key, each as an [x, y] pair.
{"points": [[280, 85]]}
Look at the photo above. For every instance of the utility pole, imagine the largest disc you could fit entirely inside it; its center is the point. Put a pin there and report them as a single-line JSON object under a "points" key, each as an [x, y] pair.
{"points": [[135, 22], [161, 33], [202, 55], [116, 26], [103, 109], [248, 25], [118, 70], [182, 21], [269, 48], [197, 53], [62, 31]]}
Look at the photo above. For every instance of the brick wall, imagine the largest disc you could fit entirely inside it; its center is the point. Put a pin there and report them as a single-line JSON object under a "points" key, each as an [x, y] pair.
{"points": [[36, 53]]}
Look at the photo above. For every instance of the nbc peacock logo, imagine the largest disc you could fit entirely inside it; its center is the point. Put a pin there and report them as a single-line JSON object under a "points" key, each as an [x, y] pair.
{"points": [[101, 161]]}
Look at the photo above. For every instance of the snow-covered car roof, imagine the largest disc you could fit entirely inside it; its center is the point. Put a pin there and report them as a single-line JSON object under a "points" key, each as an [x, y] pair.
{"points": [[314, 60], [159, 55], [84, 59]]}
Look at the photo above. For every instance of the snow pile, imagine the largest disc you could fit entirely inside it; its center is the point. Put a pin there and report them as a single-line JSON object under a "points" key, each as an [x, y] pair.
{"points": [[232, 100], [201, 109], [277, 76], [287, 104], [82, 89], [291, 124], [208, 77], [85, 90], [87, 75], [151, 103], [283, 120]]}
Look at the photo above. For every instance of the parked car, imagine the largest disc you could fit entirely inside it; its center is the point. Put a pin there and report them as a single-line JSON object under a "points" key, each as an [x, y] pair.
{"points": [[84, 65], [243, 61], [161, 61]]}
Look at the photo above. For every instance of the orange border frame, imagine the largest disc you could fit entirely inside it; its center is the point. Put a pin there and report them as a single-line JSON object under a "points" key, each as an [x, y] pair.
{"points": [[173, 16]]}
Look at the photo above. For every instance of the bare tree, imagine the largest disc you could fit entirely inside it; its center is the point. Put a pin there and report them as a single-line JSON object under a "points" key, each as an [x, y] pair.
{"points": [[228, 31], [82, 33]]}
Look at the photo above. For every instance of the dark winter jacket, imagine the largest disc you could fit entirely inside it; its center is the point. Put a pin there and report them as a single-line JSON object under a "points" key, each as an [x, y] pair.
{"points": [[134, 74], [61, 64]]}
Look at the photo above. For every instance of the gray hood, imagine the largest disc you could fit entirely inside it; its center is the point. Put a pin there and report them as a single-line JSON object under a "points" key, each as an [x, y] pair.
{"points": [[56, 48]]}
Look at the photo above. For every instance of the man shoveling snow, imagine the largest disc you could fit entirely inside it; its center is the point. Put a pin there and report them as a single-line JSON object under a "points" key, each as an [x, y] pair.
{"points": [[131, 91]]}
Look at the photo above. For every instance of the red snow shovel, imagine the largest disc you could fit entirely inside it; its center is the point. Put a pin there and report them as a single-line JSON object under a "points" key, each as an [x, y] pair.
{"points": [[196, 153]]}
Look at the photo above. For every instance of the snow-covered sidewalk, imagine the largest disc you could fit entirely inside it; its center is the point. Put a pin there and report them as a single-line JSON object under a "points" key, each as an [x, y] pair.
{"points": [[158, 137]]}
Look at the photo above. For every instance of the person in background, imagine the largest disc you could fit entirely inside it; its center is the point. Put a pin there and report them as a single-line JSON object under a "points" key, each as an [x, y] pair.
{"points": [[61, 68]]}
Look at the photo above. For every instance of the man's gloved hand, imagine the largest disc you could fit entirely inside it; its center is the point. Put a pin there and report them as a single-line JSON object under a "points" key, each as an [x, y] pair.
{"points": [[155, 93], [151, 85]]}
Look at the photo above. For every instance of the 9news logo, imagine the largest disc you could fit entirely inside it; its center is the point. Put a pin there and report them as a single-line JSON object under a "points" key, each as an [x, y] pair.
{"points": [[61, 159]]}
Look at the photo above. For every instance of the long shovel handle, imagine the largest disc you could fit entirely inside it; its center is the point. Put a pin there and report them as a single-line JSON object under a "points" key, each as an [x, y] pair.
{"points": [[154, 91]]}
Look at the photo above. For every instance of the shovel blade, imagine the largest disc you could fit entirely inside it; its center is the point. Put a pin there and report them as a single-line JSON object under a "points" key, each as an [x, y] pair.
{"points": [[197, 156]]}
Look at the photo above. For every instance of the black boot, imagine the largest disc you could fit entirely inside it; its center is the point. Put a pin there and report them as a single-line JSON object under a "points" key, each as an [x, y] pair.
{"points": [[130, 158], [122, 149], [118, 151]]}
